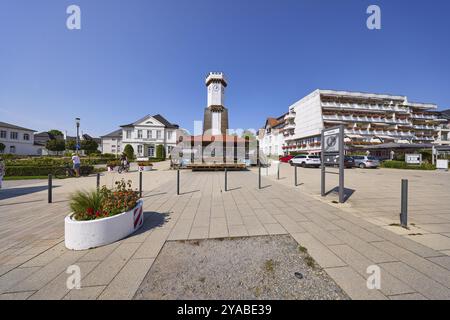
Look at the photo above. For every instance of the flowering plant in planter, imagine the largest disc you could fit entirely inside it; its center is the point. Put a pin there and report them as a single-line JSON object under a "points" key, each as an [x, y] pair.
{"points": [[103, 203]]}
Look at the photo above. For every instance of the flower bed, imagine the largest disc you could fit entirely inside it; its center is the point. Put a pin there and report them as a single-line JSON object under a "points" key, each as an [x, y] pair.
{"points": [[102, 217], [145, 165], [23, 171]]}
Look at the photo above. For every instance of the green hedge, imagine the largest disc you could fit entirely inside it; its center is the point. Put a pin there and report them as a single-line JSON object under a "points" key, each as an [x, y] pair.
{"points": [[23, 171], [54, 162], [403, 165]]}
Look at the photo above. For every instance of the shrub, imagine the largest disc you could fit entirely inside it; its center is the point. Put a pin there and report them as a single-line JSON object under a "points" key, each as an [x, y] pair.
{"points": [[113, 163], [160, 152], [403, 165], [129, 152], [92, 205], [145, 163], [56, 145], [23, 171], [87, 205]]}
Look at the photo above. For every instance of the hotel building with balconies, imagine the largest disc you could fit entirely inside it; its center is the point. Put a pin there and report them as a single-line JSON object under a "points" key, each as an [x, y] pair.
{"points": [[369, 119]]}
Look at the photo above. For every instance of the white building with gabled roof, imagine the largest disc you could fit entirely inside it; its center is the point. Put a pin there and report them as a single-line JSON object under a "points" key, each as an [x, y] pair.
{"points": [[144, 135]]}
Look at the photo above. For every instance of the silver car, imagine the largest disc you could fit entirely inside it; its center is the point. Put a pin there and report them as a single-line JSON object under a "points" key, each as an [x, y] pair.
{"points": [[366, 162]]}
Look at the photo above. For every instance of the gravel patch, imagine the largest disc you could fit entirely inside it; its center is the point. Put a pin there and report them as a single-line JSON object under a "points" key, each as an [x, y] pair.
{"points": [[268, 267]]}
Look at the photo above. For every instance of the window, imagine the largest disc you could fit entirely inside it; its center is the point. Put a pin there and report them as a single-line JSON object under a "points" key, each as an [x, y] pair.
{"points": [[13, 135], [158, 134], [26, 137], [149, 134], [139, 134], [113, 150], [151, 151], [128, 134], [139, 149], [3, 134], [12, 149], [169, 135]]}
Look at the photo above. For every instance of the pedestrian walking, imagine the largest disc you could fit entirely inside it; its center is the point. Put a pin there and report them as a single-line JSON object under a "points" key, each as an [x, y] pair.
{"points": [[76, 164]]}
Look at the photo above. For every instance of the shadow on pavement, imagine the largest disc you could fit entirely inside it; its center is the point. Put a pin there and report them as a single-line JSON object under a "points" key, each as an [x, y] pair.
{"points": [[17, 192], [152, 220], [347, 192]]}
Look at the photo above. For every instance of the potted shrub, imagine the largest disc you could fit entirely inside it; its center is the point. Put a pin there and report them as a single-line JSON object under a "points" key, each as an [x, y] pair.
{"points": [[112, 164], [103, 216], [145, 166]]}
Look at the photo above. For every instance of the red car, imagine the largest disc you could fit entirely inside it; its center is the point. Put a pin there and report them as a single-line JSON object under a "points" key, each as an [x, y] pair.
{"points": [[286, 158]]}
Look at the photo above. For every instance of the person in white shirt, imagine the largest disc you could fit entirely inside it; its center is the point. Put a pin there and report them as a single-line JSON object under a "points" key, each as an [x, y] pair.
{"points": [[76, 163]]}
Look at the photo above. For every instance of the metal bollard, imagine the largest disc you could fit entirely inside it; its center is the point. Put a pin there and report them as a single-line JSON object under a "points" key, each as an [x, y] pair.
{"points": [[226, 179], [98, 181], [296, 184], [140, 184], [259, 176], [178, 181], [50, 187], [278, 171], [404, 204]]}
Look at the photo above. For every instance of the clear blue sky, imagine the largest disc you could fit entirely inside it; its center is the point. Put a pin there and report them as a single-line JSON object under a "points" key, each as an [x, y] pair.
{"points": [[139, 57]]}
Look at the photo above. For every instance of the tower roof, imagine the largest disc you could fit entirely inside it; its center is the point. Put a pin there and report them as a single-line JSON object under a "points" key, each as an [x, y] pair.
{"points": [[216, 77]]}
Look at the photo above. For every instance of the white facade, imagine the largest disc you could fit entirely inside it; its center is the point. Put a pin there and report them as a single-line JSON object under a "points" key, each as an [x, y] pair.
{"points": [[368, 119], [146, 134], [271, 137], [112, 143], [18, 140]]}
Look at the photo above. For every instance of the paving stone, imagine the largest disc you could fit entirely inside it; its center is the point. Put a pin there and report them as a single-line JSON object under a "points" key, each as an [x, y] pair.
{"points": [[57, 288], [324, 236], [218, 228], [443, 261], [110, 267], [16, 295], [274, 229], [152, 245], [389, 284], [14, 276], [100, 253], [434, 241], [366, 249], [323, 256], [423, 265], [126, 283], [199, 233], [408, 296], [418, 281], [181, 230], [237, 231], [47, 273], [354, 284], [47, 256], [357, 231], [85, 293], [290, 225]]}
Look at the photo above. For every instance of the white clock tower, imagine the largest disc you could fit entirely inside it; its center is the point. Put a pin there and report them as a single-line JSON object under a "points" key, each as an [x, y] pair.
{"points": [[216, 115]]}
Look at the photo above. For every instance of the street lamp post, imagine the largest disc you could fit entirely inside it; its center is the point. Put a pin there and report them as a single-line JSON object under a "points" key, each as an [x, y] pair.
{"points": [[77, 147]]}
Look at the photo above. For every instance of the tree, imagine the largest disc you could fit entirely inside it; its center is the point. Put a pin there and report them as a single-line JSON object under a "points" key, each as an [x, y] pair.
{"points": [[56, 133], [71, 145], [2, 147], [129, 151], [90, 146], [249, 134], [160, 152], [56, 145]]}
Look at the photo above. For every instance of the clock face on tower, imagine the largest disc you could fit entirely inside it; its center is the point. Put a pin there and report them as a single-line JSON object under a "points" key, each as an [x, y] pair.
{"points": [[216, 88]]}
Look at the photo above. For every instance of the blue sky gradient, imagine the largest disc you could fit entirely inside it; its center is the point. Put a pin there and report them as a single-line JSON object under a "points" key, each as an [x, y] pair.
{"points": [[138, 57]]}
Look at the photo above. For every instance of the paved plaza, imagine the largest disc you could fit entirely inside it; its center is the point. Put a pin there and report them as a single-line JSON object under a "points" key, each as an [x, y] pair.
{"points": [[343, 239]]}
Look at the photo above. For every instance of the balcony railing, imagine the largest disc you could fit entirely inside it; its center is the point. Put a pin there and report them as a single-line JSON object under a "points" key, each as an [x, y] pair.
{"points": [[289, 126], [365, 132], [424, 127], [423, 116], [289, 116], [369, 107], [366, 119]]}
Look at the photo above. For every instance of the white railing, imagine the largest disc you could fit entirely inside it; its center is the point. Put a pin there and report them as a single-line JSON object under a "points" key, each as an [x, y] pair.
{"points": [[365, 119], [421, 127], [378, 132], [422, 116], [370, 107], [289, 116], [289, 126]]}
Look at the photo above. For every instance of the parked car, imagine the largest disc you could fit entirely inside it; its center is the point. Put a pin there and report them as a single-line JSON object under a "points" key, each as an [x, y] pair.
{"points": [[305, 160], [349, 162], [366, 162], [286, 159]]}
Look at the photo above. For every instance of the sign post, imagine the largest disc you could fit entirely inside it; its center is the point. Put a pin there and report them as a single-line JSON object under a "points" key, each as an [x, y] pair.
{"points": [[333, 147]]}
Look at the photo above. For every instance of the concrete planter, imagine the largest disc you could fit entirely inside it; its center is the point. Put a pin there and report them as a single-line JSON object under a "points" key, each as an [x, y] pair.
{"points": [[83, 235], [145, 168]]}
